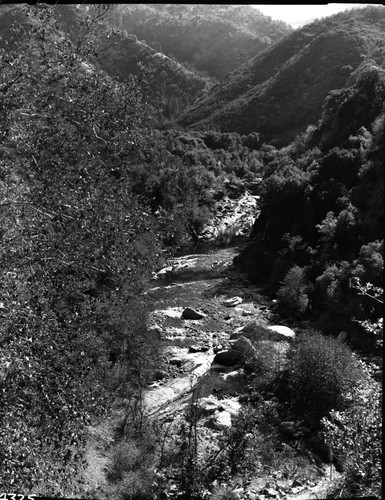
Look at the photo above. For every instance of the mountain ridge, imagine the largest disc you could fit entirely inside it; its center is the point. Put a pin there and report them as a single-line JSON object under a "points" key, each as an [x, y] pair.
{"points": [[281, 91], [214, 38]]}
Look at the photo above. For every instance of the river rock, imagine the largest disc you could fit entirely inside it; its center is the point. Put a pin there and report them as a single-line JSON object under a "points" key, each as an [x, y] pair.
{"points": [[234, 376], [208, 405], [234, 301], [270, 493], [221, 420], [237, 333], [164, 272], [281, 332], [189, 313], [218, 348], [228, 358], [230, 405]]}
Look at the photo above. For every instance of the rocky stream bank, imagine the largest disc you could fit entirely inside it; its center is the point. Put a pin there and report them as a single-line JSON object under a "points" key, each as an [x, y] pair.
{"points": [[201, 308], [200, 304]]}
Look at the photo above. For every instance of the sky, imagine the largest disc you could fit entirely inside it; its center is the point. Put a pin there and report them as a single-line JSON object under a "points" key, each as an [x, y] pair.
{"points": [[298, 15]]}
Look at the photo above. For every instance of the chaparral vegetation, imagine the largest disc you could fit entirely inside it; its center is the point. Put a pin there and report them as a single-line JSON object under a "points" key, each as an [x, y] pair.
{"points": [[127, 133]]}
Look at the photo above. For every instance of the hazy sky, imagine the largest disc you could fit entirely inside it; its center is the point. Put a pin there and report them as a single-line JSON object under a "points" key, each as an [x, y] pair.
{"points": [[297, 15]]}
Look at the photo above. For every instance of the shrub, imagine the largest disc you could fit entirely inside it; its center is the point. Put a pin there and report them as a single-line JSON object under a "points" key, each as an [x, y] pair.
{"points": [[263, 359], [320, 373], [224, 493], [255, 332], [252, 437], [134, 485], [292, 295], [131, 467], [355, 437]]}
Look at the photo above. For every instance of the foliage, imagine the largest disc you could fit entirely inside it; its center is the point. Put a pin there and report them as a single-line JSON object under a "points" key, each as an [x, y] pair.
{"points": [[374, 328], [76, 247], [191, 474], [355, 437], [263, 358], [215, 40], [169, 86], [320, 374], [292, 296], [224, 493], [131, 468], [251, 435], [321, 212], [281, 91]]}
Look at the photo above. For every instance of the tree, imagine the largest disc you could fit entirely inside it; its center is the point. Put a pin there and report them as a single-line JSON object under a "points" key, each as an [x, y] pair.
{"points": [[74, 242], [292, 295], [375, 294]]}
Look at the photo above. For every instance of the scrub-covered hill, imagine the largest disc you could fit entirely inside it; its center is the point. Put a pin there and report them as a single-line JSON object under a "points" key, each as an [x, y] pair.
{"points": [[169, 86], [213, 38], [281, 91]]}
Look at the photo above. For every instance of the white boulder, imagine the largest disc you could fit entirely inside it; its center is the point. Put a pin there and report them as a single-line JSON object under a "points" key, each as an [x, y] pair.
{"points": [[281, 332]]}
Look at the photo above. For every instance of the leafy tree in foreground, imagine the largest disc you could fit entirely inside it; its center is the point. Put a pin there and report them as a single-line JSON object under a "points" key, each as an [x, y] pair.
{"points": [[74, 242]]}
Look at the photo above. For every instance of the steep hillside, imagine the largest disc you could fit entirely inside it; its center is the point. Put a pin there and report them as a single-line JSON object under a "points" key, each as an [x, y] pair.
{"points": [[169, 85], [214, 38], [281, 91], [321, 225]]}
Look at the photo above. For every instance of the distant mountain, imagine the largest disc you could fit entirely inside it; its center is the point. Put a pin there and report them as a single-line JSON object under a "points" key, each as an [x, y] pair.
{"points": [[213, 38], [281, 91]]}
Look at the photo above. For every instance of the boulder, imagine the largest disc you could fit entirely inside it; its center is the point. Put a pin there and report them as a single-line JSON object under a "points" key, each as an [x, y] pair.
{"points": [[270, 492], [230, 405], [208, 405], [281, 332], [189, 313], [228, 358], [165, 271], [234, 376], [221, 420], [234, 301]]}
